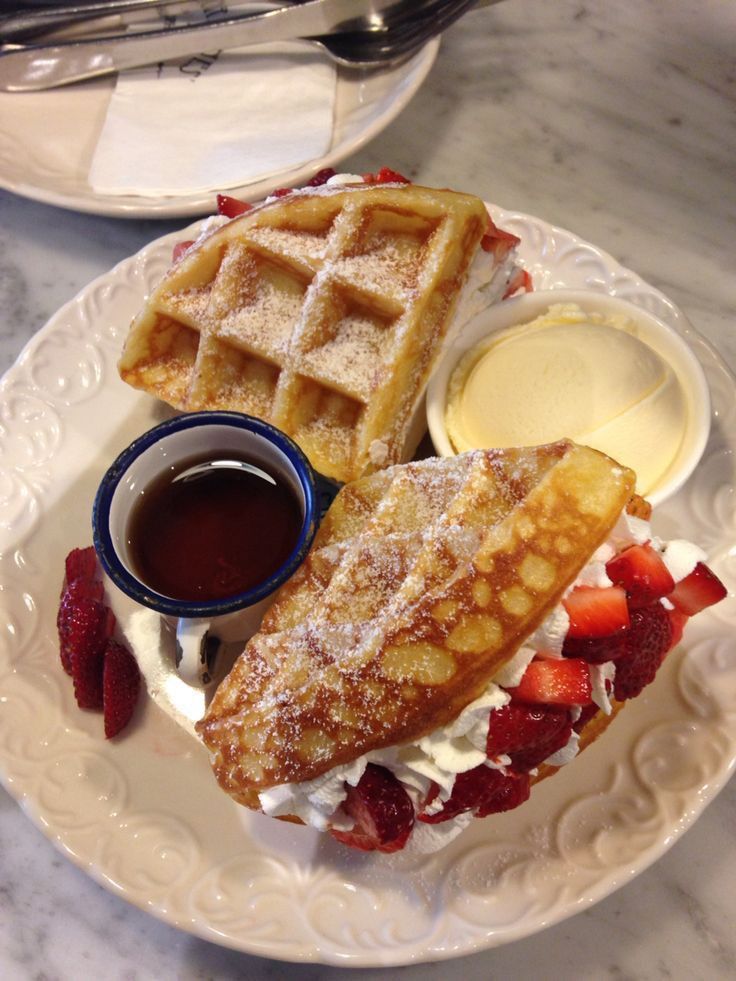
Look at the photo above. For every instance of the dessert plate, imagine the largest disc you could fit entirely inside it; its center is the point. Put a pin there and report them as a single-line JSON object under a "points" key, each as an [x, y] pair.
{"points": [[48, 139], [142, 814]]}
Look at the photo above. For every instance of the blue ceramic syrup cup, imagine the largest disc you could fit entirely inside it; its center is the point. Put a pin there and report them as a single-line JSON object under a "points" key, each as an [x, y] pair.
{"points": [[201, 624]]}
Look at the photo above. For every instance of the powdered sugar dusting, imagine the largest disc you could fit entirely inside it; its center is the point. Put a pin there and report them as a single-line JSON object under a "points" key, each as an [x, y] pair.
{"points": [[343, 292]]}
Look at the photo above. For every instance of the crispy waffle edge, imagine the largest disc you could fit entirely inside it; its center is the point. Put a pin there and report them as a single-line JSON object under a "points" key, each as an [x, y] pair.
{"points": [[172, 351]]}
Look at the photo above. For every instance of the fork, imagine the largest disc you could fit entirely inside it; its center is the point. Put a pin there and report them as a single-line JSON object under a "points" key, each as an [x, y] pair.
{"points": [[358, 34]]}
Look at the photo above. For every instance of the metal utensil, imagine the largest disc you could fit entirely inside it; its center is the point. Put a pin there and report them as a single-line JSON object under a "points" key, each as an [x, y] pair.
{"points": [[354, 32], [401, 38], [102, 17]]}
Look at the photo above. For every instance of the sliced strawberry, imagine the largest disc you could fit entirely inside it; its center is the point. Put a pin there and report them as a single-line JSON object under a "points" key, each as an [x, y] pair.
{"points": [[180, 248], [702, 588], [281, 192], [649, 638], [596, 611], [386, 176], [80, 582], [81, 563], [530, 757], [678, 620], [482, 790], [121, 682], [321, 177], [89, 625], [513, 791], [382, 810], [78, 588], [231, 207], [596, 650], [74, 592], [640, 570], [555, 682], [521, 280], [497, 241], [587, 713], [518, 726]]}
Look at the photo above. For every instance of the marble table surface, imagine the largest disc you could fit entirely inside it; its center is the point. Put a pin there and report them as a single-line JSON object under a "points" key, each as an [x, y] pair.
{"points": [[616, 121]]}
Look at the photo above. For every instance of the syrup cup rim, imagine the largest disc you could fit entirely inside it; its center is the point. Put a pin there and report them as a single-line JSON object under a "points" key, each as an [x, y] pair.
{"points": [[135, 588]]}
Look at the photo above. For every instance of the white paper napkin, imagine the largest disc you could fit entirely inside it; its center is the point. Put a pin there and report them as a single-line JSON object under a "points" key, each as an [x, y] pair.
{"points": [[211, 122]]}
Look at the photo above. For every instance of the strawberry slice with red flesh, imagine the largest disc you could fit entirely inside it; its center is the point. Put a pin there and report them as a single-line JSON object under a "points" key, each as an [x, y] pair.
{"points": [[678, 621], [121, 682], [587, 713], [231, 207], [482, 790], [382, 810], [89, 626], [596, 650], [514, 790], [497, 241], [527, 759], [701, 589], [596, 611], [321, 177], [640, 570], [520, 280], [80, 583], [81, 563], [386, 176], [518, 727], [563, 681], [648, 640], [180, 248], [74, 593]]}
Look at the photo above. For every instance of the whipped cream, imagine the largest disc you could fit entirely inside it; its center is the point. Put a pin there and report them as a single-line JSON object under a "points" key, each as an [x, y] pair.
{"points": [[601, 680], [568, 752], [680, 557], [550, 636], [436, 758], [338, 180], [485, 286]]}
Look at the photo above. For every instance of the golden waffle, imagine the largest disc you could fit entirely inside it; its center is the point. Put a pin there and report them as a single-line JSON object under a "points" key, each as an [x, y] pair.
{"points": [[421, 583], [320, 312]]}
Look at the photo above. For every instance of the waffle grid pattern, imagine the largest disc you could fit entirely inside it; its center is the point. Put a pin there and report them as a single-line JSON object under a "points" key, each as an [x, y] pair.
{"points": [[320, 312]]}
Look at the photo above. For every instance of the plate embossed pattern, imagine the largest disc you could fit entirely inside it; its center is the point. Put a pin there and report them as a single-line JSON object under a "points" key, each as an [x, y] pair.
{"points": [[143, 815]]}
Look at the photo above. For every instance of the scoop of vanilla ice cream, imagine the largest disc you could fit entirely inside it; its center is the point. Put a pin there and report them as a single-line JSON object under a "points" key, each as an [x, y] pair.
{"points": [[570, 374]]}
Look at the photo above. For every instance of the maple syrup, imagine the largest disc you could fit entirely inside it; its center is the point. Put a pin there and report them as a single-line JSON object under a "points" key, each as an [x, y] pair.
{"points": [[210, 528]]}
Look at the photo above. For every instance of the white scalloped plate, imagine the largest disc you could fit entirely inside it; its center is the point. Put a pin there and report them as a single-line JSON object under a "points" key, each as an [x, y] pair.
{"points": [[48, 139], [143, 815]]}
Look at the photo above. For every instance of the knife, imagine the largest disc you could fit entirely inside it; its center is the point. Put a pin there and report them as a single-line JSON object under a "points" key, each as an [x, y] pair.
{"points": [[31, 67]]}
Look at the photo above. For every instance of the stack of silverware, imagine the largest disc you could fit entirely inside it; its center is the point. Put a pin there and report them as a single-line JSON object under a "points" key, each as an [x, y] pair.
{"points": [[44, 45]]}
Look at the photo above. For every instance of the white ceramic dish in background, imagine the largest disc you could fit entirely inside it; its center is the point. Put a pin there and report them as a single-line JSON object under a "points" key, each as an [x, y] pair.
{"points": [[659, 335], [143, 815], [47, 140]]}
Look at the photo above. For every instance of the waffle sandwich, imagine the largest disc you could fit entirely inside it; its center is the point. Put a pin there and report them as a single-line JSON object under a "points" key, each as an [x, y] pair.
{"points": [[430, 606], [322, 312]]}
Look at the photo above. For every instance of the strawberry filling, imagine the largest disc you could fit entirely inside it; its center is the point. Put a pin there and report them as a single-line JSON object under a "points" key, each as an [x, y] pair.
{"points": [[382, 811], [617, 638]]}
